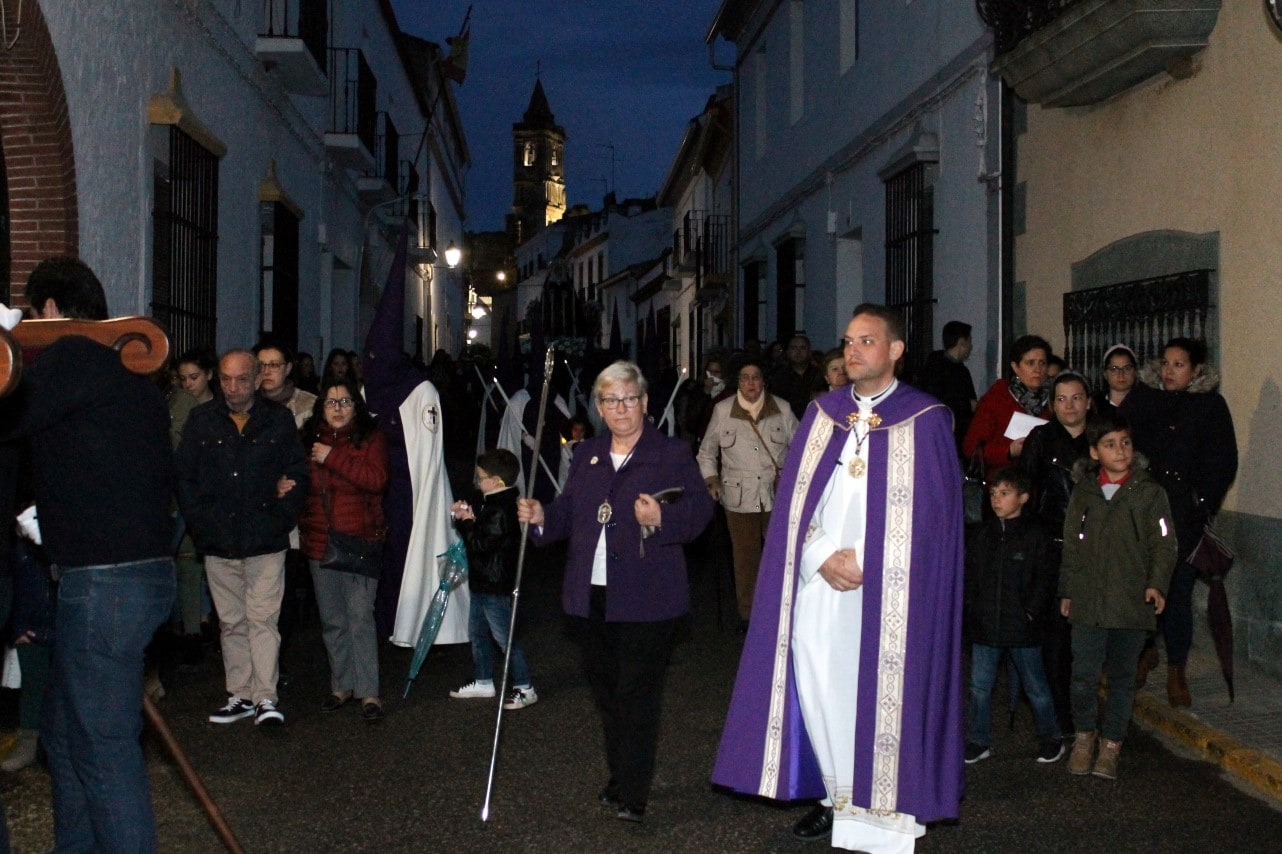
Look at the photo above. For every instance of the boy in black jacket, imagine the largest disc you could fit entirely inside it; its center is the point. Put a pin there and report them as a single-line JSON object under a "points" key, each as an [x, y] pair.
{"points": [[492, 536], [1009, 584]]}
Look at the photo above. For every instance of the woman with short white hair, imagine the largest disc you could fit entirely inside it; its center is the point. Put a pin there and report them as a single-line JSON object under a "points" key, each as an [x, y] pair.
{"points": [[625, 573]]}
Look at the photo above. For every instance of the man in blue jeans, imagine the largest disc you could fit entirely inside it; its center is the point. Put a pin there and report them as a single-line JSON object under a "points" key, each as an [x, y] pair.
{"points": [[99, 445]]}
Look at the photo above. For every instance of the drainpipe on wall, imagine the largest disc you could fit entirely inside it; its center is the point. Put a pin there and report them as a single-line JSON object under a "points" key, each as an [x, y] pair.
{"points": [[1006, 220], [732, 239]]}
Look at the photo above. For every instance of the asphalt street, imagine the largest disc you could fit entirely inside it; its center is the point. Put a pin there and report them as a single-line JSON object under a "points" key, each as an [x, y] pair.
{"points": [[416, 781]]}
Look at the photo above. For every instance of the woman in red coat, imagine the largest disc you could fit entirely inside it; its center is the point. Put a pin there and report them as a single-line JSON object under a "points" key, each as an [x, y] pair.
{"points": [[1026, 391], [349, 466]]}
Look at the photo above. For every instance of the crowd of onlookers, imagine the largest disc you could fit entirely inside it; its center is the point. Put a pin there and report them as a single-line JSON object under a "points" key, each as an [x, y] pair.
{"points": [[1096, 494], [1096, 490]]}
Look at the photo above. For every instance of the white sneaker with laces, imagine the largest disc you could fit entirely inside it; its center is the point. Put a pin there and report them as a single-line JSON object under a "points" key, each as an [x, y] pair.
{"points": [[519, 698], [478, 690]]}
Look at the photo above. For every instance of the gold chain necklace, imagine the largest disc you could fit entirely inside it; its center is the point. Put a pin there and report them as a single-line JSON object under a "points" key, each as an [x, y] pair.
{"points": [[857, 466]]}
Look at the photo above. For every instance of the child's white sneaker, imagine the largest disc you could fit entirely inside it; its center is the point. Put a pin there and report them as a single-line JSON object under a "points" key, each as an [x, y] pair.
{"points": [[477, 690], [519, 698]]}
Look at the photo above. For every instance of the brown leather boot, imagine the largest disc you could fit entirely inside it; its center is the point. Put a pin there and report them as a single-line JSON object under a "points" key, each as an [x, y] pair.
{"points": [[1177, 689], [1106, 762], [1079, 761], [1148, 660]]}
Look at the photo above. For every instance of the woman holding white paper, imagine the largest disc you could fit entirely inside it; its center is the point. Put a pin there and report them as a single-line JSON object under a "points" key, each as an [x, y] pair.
{"points": [[1025, 393]]}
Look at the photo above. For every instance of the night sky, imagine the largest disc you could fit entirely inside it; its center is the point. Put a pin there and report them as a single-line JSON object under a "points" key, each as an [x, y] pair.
{"points": [[630, 73]]}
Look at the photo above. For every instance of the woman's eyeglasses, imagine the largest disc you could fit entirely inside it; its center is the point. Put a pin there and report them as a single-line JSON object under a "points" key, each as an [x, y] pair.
{"points": [[338, 402], [629, 402]]}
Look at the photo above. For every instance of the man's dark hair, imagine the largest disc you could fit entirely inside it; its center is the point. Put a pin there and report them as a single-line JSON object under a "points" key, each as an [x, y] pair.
{"points": [[1013, 476], [501, 463], [71, 284], [1107, 420], [1025, 344], [954, 331], [892, 316]]}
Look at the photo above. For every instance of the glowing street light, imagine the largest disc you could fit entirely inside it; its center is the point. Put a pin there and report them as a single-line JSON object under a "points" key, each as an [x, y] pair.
{"points": [[453, 255]]}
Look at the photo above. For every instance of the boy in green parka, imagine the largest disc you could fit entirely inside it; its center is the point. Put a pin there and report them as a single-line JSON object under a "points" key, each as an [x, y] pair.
{"points": [[1119, 552]]}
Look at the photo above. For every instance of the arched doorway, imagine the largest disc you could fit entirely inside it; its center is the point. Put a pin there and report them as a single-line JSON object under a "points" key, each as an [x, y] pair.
{"points": [[38, 209]]}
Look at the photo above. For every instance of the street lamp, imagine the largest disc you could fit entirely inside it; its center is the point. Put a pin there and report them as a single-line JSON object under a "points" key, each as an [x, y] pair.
{"points": [[453, 255]]}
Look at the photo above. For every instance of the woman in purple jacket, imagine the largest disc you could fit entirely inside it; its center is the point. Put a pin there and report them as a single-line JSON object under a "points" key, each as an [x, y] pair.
{"points": [[625, 573]]}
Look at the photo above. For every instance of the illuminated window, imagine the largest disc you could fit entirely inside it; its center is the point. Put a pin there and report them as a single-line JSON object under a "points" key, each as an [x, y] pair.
{"points": [[529, 154]]}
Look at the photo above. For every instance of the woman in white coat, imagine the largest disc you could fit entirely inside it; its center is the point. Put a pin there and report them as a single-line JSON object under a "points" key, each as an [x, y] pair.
{"points": [[739, 458]]}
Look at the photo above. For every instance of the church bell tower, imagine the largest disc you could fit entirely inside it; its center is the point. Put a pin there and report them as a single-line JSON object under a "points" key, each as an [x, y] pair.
{"points": [[538, 177]]}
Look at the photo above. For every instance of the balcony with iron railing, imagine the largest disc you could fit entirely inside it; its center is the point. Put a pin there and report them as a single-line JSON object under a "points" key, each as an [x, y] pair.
{"points": [[701, 247], [352, 137], [380, 184], [292, 43], [1072, 53]]}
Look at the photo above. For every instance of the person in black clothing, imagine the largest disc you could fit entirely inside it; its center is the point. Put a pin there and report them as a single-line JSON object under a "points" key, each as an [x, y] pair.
{"points": [[1187, 434], [1122, 390], [1049, 455], [99, 444], [1051, 449], [492, 537], [798, 378], [1009, 586], [946, 376]]}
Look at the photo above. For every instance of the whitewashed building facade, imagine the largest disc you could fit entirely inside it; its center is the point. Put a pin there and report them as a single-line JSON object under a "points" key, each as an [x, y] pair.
{"points": [[233, 168], [867, 163]]}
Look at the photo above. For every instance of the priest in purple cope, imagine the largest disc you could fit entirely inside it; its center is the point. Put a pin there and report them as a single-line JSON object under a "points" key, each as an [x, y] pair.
{"points": [[849, 688]]}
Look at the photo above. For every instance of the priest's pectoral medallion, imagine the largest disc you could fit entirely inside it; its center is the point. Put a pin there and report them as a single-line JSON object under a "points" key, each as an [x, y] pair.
{"points": [[857, 467], [604, 512]]}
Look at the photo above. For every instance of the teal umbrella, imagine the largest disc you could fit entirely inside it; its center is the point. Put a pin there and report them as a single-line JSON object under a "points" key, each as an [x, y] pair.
{"points": [[453, 572]]}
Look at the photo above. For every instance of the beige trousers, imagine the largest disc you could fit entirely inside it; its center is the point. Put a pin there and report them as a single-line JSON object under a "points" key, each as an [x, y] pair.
{"points": [[247, 593]]}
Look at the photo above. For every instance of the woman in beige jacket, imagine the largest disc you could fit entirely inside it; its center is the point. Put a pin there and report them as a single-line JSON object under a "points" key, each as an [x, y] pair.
{"points": [[739, 458]]}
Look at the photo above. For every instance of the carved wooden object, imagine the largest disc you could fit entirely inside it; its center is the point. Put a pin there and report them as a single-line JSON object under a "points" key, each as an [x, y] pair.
{"points": [[141, 342]]}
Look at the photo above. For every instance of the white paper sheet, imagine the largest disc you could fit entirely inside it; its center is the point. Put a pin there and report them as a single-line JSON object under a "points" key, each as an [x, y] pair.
{"points": [[1021, 424]]}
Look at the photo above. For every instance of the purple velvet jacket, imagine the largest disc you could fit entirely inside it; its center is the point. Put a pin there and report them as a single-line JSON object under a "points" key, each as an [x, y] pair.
{"points": [[639, 589]]}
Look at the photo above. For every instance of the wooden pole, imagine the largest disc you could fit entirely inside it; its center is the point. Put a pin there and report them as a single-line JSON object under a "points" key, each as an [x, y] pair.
{"points": [[215, 815]]}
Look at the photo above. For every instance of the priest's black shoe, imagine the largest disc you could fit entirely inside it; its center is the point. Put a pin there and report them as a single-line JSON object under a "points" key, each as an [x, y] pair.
{"points": [[815, 825]]}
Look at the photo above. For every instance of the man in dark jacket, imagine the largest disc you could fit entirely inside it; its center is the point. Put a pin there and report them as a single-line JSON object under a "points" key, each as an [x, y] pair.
{"points": [[1008, 587], [99, 445], [234, 454], [798, 379], [946, 376]]}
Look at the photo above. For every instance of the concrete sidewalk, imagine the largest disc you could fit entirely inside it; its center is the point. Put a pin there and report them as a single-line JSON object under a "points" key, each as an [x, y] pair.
{"points": [[1243, 736]]}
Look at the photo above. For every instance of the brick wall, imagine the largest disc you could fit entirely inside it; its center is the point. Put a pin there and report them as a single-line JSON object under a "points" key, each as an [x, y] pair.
{"points": [[39, 162]]}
